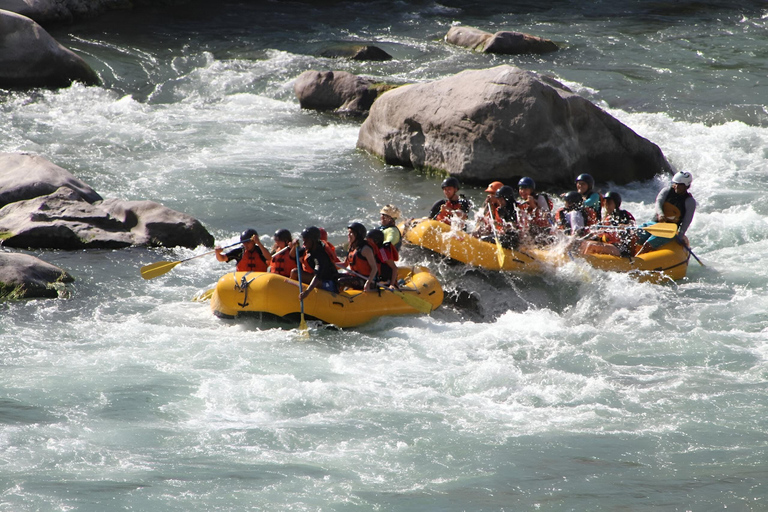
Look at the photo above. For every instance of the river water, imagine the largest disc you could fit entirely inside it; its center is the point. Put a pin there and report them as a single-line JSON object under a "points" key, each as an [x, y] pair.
{"points": [[576, 390]]}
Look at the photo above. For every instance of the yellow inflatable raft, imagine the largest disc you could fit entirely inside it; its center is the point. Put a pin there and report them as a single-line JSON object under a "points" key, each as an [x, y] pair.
{"points": [[242, 293], [668, 262]]}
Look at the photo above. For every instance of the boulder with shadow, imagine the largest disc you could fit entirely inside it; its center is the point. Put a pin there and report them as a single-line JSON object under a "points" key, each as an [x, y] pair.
{"points": [[30, 57], [23, 276], [339, 92], [504, 42], [45, 206], [502, 123]]}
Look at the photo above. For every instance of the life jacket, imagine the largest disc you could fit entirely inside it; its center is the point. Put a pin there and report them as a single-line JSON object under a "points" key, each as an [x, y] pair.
{"points": [[329, 250], [391, 251], [595, 201], [502, 217], [282, 263], [674, 206], [617, 236], [383, 254], [535, 216], [359, 264], [449, 208], [396, 235], [562, 221], [252, 261]]}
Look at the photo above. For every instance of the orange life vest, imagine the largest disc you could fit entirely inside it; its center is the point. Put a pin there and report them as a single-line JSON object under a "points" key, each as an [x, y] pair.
{"points": [[533, 215], [252, 261], [448, 209], [282, 263], [357, 262]]}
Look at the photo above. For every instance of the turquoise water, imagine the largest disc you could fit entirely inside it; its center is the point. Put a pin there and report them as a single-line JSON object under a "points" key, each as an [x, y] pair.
{"points": [[576, 390]]}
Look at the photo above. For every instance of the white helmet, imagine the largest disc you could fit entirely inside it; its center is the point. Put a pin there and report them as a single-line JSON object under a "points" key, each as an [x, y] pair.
{"points": [[683, 177]]}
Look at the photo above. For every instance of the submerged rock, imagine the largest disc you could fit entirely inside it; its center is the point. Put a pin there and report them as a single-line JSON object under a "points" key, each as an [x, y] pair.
{"points": [[357, 52], [30, 57], [23, 276], [337, 91], [502, 123], [44, 206], [506, 42]]}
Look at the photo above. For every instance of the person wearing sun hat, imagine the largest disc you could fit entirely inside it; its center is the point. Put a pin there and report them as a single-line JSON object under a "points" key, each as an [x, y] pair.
{"points": [[389, 216]]}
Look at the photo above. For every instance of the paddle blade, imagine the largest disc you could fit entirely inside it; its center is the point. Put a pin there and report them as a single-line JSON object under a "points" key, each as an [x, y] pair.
{"points": [[662, 229], [154, 270], [499, 253], [419, 304], [303, 328], [204, 296]]}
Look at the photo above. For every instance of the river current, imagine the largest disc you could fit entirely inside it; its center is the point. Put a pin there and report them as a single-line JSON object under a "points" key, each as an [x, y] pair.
{"points": [[576, 390]]}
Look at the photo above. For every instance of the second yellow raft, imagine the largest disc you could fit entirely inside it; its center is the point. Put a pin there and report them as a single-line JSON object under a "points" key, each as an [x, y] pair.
{"points": [[242, 293]]}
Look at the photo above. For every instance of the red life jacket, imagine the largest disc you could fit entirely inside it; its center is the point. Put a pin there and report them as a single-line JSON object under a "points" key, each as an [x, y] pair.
{"points": [[282, 263], [252, 261], [391, 251]]}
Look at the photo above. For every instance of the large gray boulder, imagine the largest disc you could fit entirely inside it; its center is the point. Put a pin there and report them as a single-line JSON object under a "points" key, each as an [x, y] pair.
{"points": [[506, 42], [23, 276], [30, 57], [46, 207], [502, 123], [337, 91], [24, 176]]}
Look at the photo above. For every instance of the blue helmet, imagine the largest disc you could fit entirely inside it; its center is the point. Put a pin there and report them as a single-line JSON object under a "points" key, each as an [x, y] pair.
{"points": [[526, 182]]}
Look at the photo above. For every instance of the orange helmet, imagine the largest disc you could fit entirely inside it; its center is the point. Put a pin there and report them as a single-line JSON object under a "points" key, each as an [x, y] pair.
{"points": [[493, 187]]}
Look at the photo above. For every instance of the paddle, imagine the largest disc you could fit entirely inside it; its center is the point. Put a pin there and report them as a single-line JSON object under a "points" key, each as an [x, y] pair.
{"points": [[682, 242], [660, 229], [420, 305], [154, 270], [499, 248], [303, 324]]}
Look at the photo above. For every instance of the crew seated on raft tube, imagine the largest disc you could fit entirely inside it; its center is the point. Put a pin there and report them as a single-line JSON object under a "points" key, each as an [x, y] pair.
{"points": [[531, 221]]}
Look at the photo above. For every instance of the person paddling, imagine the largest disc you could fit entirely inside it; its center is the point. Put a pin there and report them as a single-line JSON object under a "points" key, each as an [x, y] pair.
{"points": [[454, 206], [535, 212], [574, 218], [251, 256], [484, 217], [316, 257], [361, 260], [502, 222], [674, 204], [386, 256], [283, 254], [614, 238]]}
